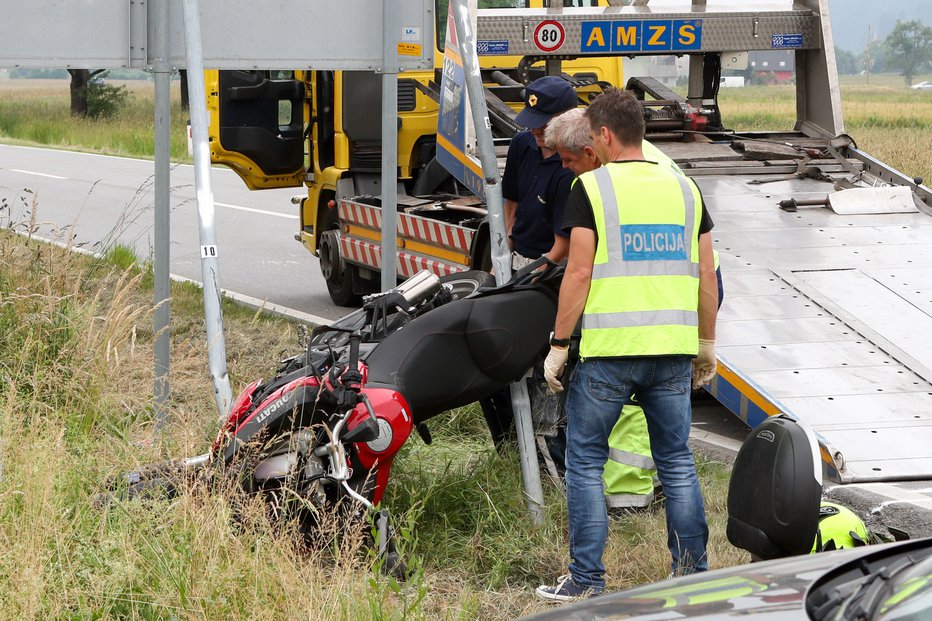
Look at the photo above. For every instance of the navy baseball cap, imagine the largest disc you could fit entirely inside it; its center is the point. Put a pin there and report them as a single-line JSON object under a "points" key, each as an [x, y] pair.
{"points": [[545, 98]]}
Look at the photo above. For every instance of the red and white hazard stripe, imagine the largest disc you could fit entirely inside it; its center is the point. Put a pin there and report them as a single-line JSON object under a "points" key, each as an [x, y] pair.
{"points": [[410, 264], [435, 232], [409, 226], [368, 216], [369, 254], [362, 252]]}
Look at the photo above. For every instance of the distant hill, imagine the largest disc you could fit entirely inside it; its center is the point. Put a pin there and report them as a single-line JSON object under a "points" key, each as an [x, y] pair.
{"points": [[850, 19]]}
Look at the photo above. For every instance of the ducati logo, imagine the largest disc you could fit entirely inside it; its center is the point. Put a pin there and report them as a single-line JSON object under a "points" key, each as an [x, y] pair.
{"points": [[272, 408], [532, 100]]}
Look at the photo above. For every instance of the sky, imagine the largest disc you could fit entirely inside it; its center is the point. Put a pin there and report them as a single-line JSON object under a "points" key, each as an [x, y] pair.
{"points": [[850, 19]]}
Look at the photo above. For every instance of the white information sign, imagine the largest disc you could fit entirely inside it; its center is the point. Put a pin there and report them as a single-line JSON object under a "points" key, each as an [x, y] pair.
{"points": [[236, 34]]}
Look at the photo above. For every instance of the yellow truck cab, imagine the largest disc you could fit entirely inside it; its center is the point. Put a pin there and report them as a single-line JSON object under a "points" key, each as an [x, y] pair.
{"points": [[322, 129]]}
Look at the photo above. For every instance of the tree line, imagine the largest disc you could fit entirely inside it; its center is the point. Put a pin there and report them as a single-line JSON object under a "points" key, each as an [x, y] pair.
{"points": [[907, 50]]}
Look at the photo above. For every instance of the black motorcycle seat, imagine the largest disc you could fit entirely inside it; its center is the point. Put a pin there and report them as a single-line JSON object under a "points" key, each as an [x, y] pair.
{"points": [[465, 350]]}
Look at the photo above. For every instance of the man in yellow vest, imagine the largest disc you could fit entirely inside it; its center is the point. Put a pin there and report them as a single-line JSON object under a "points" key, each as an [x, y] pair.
{"points": [[630, 476], [641, 276]]}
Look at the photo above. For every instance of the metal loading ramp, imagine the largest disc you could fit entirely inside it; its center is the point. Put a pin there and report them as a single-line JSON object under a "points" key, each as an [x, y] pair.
{"points": [[827, 318]]}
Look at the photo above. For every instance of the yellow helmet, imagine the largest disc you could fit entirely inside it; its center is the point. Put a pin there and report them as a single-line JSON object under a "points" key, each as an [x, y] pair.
{"points": [[839, 528]]}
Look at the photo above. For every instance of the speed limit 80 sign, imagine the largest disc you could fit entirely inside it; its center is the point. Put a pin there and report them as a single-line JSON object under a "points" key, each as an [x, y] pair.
{"points": [[549, 36]]}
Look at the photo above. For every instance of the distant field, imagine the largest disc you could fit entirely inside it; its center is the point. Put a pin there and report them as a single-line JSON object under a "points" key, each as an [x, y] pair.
{"points": [[37, 112], [887, 119]]}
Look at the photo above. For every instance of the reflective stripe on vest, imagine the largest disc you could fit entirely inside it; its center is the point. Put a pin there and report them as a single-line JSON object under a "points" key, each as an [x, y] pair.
{"points": [[629, 474], [643, 297]]}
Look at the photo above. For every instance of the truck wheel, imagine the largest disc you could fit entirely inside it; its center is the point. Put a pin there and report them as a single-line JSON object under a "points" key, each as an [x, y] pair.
{"points": [[340, 276], [467, 283]]}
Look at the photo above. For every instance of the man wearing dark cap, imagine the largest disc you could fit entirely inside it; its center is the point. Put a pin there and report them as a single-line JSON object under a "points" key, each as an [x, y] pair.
{"points": [[535, 187]]}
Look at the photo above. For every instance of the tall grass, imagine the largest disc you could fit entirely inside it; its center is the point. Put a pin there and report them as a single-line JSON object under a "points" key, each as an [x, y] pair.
{"points": [[38, 112], [75, 394]]}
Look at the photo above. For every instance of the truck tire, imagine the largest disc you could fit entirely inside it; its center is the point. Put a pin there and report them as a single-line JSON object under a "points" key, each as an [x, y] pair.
{"points": [[340, 275], [466, 283]]}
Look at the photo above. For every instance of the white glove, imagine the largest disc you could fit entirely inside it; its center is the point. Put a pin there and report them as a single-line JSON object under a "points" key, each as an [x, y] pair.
{"points": [[704, 365], [553, 367]]}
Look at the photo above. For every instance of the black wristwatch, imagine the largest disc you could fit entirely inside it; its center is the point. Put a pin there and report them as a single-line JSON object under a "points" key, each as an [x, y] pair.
{"points": [[559, 342]]}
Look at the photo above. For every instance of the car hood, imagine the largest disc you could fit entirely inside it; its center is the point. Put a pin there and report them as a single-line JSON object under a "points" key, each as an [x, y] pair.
{"points": [[768, 591]]}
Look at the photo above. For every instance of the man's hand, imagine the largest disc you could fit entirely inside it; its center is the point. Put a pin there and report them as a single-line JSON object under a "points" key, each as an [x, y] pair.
{"points": [[704, 365], [553, 367]]}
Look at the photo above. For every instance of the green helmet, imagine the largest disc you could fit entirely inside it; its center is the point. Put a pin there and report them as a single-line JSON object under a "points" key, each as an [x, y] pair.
{"points": [[839, 528]]}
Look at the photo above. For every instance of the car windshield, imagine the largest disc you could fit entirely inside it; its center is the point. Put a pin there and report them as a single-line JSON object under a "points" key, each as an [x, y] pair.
{"points": [[910, 597]]}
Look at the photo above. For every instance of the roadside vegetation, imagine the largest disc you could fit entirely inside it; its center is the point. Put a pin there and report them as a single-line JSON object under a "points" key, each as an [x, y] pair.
{"points": [[75, 408]]}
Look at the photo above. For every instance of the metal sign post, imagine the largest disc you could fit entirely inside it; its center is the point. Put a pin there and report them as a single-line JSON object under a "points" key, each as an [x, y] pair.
{"points": [[162, 210], [210, 268], [389, 145], [530, 472]]}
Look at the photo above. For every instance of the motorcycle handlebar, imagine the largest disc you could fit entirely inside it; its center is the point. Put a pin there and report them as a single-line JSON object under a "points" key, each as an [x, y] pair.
{"points": [[354, 341]]}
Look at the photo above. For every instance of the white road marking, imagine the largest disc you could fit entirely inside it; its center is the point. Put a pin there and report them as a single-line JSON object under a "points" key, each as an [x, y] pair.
{"points": [[262, 211], [38, 174]]}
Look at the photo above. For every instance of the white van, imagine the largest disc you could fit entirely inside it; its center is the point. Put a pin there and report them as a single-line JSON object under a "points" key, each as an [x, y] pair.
{"points": [[731, 80]]}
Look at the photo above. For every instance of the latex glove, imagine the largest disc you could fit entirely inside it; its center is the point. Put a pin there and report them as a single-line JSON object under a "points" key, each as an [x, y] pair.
{"points": [[704, 365], [553, 367]]}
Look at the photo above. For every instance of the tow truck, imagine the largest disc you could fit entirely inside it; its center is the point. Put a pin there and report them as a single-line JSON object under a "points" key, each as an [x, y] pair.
{"points": [[321, 129], [826, 251]]}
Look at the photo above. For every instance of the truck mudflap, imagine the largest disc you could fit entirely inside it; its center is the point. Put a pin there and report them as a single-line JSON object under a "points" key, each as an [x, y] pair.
{"points": [[423, 243]]}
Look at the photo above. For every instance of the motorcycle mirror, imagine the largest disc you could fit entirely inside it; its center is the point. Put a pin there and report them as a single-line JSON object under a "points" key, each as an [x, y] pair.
{"points": [[366, 431]]}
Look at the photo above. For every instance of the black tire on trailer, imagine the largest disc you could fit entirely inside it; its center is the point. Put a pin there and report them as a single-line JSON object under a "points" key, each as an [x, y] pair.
{"points": [[466, 283], [339, 275]]}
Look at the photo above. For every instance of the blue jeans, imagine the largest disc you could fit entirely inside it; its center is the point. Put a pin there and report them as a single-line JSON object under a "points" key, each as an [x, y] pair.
{"points": [[599, 389]]}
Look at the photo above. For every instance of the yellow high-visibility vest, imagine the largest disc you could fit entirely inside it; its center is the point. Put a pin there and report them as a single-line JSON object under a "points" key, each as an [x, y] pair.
{"points": [[644, 295]]}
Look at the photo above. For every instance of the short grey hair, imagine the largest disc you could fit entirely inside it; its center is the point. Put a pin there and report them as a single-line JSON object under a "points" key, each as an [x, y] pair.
{"points": [[569, 130]]}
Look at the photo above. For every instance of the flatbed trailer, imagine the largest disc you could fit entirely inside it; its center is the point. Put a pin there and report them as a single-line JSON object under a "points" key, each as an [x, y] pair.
{"points": [[828, 318]]}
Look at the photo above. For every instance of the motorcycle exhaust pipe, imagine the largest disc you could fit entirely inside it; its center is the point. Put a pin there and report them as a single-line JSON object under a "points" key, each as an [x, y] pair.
{"points": [[419, 287]]}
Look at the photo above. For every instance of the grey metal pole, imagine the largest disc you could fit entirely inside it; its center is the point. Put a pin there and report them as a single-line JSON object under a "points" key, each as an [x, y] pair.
{"points": [[501, 257], [696, 82], [162, 285], [389, 145], [210, 273]]}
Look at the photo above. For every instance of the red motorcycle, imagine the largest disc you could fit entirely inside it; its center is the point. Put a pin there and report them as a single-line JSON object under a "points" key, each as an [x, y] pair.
{"points": [[326, 428]]}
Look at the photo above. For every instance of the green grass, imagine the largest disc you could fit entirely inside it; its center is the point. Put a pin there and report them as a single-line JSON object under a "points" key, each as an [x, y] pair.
{"points": [[37, 112], [75, 408], [887, 120]]}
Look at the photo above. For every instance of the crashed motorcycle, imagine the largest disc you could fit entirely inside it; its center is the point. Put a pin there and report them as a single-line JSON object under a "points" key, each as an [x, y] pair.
{"points": [[324, 431]]}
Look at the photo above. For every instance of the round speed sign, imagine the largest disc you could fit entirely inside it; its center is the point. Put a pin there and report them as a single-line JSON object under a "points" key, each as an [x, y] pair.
{"points": [[549, 36]]}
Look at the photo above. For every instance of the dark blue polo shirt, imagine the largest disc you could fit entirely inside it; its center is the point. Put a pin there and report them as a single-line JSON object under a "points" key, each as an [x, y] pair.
{"points": [[540, 187]]}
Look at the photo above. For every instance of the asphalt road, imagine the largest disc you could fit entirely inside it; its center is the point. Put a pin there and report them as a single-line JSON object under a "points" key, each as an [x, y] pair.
{"points": [[100, 200]]}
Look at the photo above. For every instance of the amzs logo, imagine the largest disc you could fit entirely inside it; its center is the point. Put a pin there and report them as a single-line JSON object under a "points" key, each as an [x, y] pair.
{"points": [[274, 407]]}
